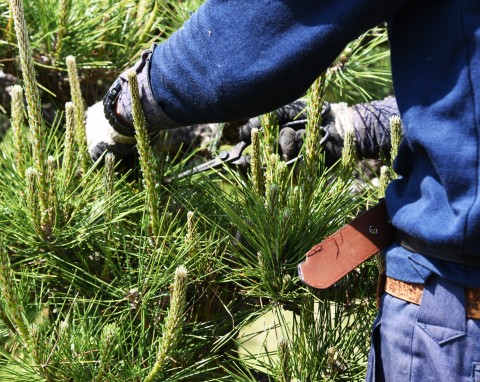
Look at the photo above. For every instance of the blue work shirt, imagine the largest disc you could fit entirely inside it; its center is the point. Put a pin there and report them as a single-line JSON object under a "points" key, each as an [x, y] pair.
{"points": [[235, 59]]}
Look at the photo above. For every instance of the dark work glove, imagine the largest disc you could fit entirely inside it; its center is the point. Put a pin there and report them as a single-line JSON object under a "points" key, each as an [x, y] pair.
{"points": [[371, 124], [292, 120], [110, 124], [370, 121]]}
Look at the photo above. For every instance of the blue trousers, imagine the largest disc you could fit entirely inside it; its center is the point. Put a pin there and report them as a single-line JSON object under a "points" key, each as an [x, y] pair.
{"points": [[434, 341]]}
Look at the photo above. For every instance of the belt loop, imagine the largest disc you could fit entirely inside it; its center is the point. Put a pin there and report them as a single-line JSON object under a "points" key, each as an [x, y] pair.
{"points": [[442, 310], [382, 278]]}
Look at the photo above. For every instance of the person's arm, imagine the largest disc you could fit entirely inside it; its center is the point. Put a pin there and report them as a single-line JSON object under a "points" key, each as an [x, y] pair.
{"points": [[238, 59], [234, 60]]}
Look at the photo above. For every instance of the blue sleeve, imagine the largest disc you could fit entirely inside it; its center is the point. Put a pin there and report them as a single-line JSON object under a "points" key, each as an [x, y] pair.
{"points": [[238, 58]]}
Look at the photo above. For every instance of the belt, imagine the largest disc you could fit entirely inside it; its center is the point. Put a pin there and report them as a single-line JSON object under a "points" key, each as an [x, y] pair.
{"points": [[415, 245], [412, 292], [329, 261]]}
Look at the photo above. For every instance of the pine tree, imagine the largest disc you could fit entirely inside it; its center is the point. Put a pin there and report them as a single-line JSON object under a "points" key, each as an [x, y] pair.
{"points": [[95, 259]]}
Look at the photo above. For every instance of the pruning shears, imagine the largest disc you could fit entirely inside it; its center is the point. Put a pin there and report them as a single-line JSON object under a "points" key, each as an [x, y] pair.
{"points": [[232, 157], [287, 118], [235, 157]]}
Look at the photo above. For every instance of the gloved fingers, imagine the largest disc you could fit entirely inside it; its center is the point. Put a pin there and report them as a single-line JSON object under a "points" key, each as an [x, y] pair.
{"points": [[101, 136], [291, 112], [292, 115], [290, 140], [245, 131], [286, 114], [295, 114], [287, 144]]}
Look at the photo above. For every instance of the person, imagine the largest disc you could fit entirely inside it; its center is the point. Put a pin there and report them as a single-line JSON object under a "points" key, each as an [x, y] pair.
{"points": [[236, 59]]}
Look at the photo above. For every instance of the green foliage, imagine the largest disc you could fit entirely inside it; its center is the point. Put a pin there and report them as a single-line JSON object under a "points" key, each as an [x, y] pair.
{"points": [[95, 258], [86, 29], [362, 71], [103, 35]]}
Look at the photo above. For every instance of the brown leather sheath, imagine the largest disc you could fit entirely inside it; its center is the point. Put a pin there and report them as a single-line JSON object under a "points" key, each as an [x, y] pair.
{"points": [[343, 251]]}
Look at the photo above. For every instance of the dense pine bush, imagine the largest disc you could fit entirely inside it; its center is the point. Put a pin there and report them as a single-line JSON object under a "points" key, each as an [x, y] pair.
{"points": [[112, 274]]}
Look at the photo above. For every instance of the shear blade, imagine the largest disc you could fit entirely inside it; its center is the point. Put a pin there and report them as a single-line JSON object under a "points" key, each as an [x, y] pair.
{"points": [[225, 157]]}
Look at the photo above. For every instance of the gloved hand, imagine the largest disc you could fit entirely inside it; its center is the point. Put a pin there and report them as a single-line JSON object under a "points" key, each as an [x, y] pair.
{"points": [[370, 121], [371, 125], [101, 136], [109, 125], [292, 120]]}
